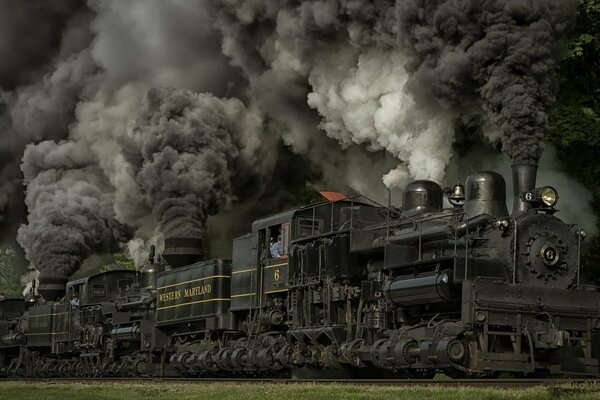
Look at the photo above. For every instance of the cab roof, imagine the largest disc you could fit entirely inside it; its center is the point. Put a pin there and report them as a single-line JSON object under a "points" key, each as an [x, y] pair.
{"points": [[286, 216]]}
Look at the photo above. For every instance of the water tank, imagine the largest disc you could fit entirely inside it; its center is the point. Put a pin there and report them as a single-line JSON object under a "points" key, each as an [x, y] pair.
{"points": [[486, 194], [421, 196]]}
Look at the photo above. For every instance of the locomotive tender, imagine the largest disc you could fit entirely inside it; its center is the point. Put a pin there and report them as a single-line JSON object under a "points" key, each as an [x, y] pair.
{"points": [[469, 290]]}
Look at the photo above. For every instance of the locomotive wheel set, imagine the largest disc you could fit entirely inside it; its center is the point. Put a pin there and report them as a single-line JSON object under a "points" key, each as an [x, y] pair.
{"points": [[361, 289]]}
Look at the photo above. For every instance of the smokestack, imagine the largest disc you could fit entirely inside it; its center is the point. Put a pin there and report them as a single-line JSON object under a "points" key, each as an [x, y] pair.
{"points": [[52, 289], [181, 251], [524, 176]]}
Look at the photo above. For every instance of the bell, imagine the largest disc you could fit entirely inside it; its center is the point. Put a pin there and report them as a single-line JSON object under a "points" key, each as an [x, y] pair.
{"points": [[458, 193]]}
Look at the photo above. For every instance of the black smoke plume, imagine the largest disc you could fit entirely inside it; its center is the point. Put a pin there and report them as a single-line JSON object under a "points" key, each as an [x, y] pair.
{"points": [[499, 55], [40, 71], [70, 216], [183, 150]]}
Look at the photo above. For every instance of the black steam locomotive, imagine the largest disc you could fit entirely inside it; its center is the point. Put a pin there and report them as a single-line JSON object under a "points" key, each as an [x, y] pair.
{"points": [[360, 288]]}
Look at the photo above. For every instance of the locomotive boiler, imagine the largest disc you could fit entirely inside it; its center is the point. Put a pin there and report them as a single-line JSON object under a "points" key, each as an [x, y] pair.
{"points": [[451, 282]]}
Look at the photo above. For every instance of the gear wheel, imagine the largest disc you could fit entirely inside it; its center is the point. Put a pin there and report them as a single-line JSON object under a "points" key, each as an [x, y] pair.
{"points": [[456, 351], [546, 251], [404, 352]]}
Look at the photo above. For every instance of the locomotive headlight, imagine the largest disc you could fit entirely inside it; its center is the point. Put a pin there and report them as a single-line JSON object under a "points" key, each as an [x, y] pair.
{"points": [[545, 196], [549, 196]]}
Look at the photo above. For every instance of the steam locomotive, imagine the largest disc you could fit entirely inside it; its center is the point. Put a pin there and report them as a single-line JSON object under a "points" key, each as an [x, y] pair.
{"points": [[360, 289]]}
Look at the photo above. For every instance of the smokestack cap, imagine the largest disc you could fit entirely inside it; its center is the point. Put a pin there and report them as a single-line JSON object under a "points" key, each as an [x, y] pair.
{"points": [[180, 251], [52, 289]]}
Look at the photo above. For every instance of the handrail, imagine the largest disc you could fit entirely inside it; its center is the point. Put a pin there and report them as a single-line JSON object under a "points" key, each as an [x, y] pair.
{"points": [[420, 241], [454, 220], [514, 277], [578, 254], [466, 248]]}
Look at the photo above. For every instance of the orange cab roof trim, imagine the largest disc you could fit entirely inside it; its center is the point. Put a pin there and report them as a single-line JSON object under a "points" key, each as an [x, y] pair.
{"points": [[333, 196]]}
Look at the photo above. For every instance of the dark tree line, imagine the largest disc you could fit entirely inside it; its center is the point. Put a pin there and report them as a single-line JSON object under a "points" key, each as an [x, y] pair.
{"points": [[575, 119]]}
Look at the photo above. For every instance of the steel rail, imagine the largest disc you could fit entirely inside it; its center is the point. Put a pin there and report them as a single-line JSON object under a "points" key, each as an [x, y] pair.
{"points": [[498, 383]]}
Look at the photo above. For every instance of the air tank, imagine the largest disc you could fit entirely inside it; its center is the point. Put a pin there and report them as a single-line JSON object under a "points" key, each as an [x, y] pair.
{"points": [[486, 194], [421, 196], [426, 288]]}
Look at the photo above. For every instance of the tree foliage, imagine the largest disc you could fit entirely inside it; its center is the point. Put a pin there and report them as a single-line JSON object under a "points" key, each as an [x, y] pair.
{"points": [[575, 120], [10, 284]]}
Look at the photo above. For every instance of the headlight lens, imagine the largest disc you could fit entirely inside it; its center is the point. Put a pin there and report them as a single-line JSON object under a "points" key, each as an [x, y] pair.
{"points": [[549, 196]]}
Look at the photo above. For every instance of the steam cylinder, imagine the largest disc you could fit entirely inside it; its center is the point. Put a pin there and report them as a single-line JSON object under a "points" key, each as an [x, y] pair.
{"points": [[14, 339], [427, 288], [486, 194], [126, 333]]}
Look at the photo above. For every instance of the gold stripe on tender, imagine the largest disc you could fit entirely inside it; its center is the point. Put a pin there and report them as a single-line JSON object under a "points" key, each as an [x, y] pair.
{"points": [[194, 280], [191, 302], [243, 271], [243, 295], [276, 291], [276, 265], [47, 315]]}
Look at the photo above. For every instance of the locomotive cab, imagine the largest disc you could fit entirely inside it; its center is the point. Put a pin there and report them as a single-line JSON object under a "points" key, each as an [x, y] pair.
{"points": [[101, 287], [11, 309], [255, 269]]}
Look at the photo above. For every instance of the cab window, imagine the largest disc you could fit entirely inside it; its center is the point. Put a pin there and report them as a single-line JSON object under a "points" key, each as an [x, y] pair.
{"points": [[77, 291], [124, 284], [306, 227], [98, 290], [278, 241]]}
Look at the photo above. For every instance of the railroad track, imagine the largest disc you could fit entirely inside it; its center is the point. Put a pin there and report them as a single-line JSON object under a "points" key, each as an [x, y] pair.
{"points": [[500, 383]]}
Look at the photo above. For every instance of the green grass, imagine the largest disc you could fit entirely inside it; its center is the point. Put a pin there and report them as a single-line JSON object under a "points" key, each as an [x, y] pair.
{"points": [[229, 391]]}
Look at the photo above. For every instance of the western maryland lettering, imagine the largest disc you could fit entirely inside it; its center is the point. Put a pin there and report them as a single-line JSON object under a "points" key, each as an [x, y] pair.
{"points": [[197, 290], [188, 292], [169, 296]]}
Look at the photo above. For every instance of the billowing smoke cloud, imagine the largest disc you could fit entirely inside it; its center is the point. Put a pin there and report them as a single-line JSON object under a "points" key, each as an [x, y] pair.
{"points": [[40, 82], [90, 97], [396, 76], [367, 105], [39, 88], [499, 54], [323, 54], [182, 147], [30, 33], [70, 216]]}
